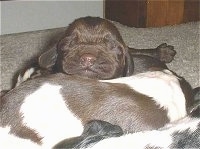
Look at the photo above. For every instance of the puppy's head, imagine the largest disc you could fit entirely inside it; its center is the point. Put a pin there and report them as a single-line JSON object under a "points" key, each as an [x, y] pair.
{"points": [[93, 48]]}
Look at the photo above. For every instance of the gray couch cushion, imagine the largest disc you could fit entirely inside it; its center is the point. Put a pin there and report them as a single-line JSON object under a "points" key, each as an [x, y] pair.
{"points": [[18, 49]]}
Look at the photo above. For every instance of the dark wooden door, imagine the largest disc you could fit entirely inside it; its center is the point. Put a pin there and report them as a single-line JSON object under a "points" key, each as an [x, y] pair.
{"points": [[152, 13], [128, 12]]}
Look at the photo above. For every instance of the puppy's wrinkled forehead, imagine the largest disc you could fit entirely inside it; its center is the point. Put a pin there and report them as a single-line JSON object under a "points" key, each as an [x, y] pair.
{"points": [[94, 29]]}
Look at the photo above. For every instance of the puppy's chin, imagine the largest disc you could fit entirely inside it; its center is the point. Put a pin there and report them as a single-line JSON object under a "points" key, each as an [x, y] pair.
{"points": [[92, 73]]}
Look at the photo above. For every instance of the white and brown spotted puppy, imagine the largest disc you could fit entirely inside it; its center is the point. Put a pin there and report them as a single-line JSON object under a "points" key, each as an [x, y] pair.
{"points": [[49, 109]]}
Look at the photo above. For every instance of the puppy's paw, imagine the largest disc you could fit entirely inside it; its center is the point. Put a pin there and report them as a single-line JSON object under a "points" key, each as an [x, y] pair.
{"points": [[27, 75], [166, 52]]}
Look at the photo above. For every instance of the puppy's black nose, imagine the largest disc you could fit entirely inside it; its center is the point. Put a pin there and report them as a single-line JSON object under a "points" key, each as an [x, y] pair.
{"points": [[87, 60]]}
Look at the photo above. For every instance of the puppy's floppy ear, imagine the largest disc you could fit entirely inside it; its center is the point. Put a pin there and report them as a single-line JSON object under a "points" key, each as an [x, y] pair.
{"points": [[129, 64], [48, 59]]}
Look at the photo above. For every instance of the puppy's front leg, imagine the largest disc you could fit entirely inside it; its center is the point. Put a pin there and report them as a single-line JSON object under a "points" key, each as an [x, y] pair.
{"points": [[165, 53]]}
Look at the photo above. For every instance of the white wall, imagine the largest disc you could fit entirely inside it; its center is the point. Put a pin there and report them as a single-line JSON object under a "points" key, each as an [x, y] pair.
{"points": [[23, 16]]}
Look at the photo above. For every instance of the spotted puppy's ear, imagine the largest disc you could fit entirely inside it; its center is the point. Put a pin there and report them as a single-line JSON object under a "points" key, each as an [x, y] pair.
{"points": [[129, 64], [48, 59], [94, 131]]}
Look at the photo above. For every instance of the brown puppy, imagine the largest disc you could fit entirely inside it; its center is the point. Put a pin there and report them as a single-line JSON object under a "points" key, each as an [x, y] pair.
{"points": [[93, 47]]}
